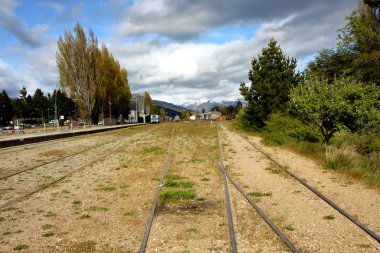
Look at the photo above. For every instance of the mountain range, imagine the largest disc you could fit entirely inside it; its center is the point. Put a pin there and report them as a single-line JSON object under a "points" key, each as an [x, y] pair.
{"points": [[200, 105]]}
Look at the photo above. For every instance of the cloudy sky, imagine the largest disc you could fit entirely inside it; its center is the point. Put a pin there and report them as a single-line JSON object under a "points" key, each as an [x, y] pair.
{"points": [[177, 50]]}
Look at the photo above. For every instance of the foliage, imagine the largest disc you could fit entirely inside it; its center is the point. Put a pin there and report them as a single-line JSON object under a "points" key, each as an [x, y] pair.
{"points": [[113, 85], [343, 104], [272, 76], [358, 52], [149, 102], [229, 111], [185, 114], [5, 108], [91, 76], [76, 61], [289, 126]]}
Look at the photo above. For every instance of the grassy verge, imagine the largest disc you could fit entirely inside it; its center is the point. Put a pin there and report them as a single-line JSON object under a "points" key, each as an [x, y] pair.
{"points": [[356, 155]]}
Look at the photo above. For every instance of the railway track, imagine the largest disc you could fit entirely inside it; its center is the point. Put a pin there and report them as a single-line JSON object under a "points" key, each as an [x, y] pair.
{"points": [[37, 145], [60, 178], [148, 227], [226, 176], [305, 184]]}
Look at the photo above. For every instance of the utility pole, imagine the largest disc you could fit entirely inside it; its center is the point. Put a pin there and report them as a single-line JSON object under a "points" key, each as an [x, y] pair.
{"points": [[55, 104], [109, 106]]}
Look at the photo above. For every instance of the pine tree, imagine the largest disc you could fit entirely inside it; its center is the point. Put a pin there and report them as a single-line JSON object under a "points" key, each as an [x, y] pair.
{"points": [[272, 77], [6, 112]]}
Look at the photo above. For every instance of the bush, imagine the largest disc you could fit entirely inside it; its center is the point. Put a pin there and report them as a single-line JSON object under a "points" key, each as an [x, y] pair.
{"points": [[281, 125]]}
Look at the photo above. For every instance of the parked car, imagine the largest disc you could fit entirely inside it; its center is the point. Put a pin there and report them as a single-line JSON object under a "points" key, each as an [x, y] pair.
{"points": [[19, 127], [101, 123], [8, 127]]}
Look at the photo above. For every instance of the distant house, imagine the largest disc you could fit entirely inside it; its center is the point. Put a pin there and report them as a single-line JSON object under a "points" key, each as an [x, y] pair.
{"points": [[213, 115]]}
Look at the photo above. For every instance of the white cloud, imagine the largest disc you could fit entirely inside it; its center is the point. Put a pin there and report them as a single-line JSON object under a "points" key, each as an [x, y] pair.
{"points": [[19, 28]]}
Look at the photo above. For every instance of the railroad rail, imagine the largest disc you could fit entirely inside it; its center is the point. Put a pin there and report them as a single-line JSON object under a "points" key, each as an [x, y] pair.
{"points": [[224, 172], [148, 227], [58, 179], [316, 192]]}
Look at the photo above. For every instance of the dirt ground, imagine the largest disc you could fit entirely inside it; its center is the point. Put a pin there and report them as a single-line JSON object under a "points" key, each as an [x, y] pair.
{"points": [[104, 205]]}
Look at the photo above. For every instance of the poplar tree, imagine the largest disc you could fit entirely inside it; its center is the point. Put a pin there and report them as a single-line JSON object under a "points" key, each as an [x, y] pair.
{"points": [[149, 102], [76, 62], [272, 77]]}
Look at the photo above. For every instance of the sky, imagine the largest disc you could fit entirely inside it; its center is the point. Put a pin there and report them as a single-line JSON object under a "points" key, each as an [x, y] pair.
{"points": [[177, 50]]}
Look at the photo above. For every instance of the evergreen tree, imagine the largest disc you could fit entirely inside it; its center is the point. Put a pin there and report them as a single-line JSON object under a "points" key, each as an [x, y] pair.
{"points": [[6, 112], [272, 77]]}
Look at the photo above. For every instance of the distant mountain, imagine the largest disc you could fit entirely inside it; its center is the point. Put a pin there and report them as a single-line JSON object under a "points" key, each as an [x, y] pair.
{"points": [[207, 104], [171, 109]]}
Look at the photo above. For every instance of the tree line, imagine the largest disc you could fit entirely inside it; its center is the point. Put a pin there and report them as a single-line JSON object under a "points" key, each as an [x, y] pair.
{"points": [[35, 109], [339, 90]]}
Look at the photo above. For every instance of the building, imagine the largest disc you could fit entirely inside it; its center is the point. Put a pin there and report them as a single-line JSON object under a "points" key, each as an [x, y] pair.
{"points": [[213, 115], [137, 109]]}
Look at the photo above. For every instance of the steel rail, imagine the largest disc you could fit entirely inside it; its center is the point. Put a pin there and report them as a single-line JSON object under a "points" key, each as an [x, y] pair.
{"points": [[18, 199], [320, 195], [148, 227], [227, 197]]}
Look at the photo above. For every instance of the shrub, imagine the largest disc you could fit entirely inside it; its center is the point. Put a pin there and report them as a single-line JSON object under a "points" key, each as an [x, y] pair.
{"points": [[288, 126]]}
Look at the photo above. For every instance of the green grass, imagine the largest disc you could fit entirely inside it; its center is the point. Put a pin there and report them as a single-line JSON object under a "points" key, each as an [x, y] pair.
{"points": [[98, 208], [176, 195], [105, 188], [153, 150], [83, 247], [50, 214], [329, 217], [21, 247], [129, 213], [124, 186], [47, 226], [178, 184], [289, 228], [260, 194], [77, 203]]}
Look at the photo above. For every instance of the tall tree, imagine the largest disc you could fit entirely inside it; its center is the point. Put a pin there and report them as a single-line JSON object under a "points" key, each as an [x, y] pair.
{"points": [[6, 112], [272, 77], [358, 52], [39, 105], [149, 102], [76, 61]]}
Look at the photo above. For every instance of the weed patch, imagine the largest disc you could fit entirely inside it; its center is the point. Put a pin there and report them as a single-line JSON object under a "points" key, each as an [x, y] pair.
{"points": [[87, 246], [98, 208], [105, 188], [153, 150], [129, 213], [77, 203], [179, 184], [50, 214], [21, 247], [329, 217], [48, 234], [176, 195], [47, 226]]}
